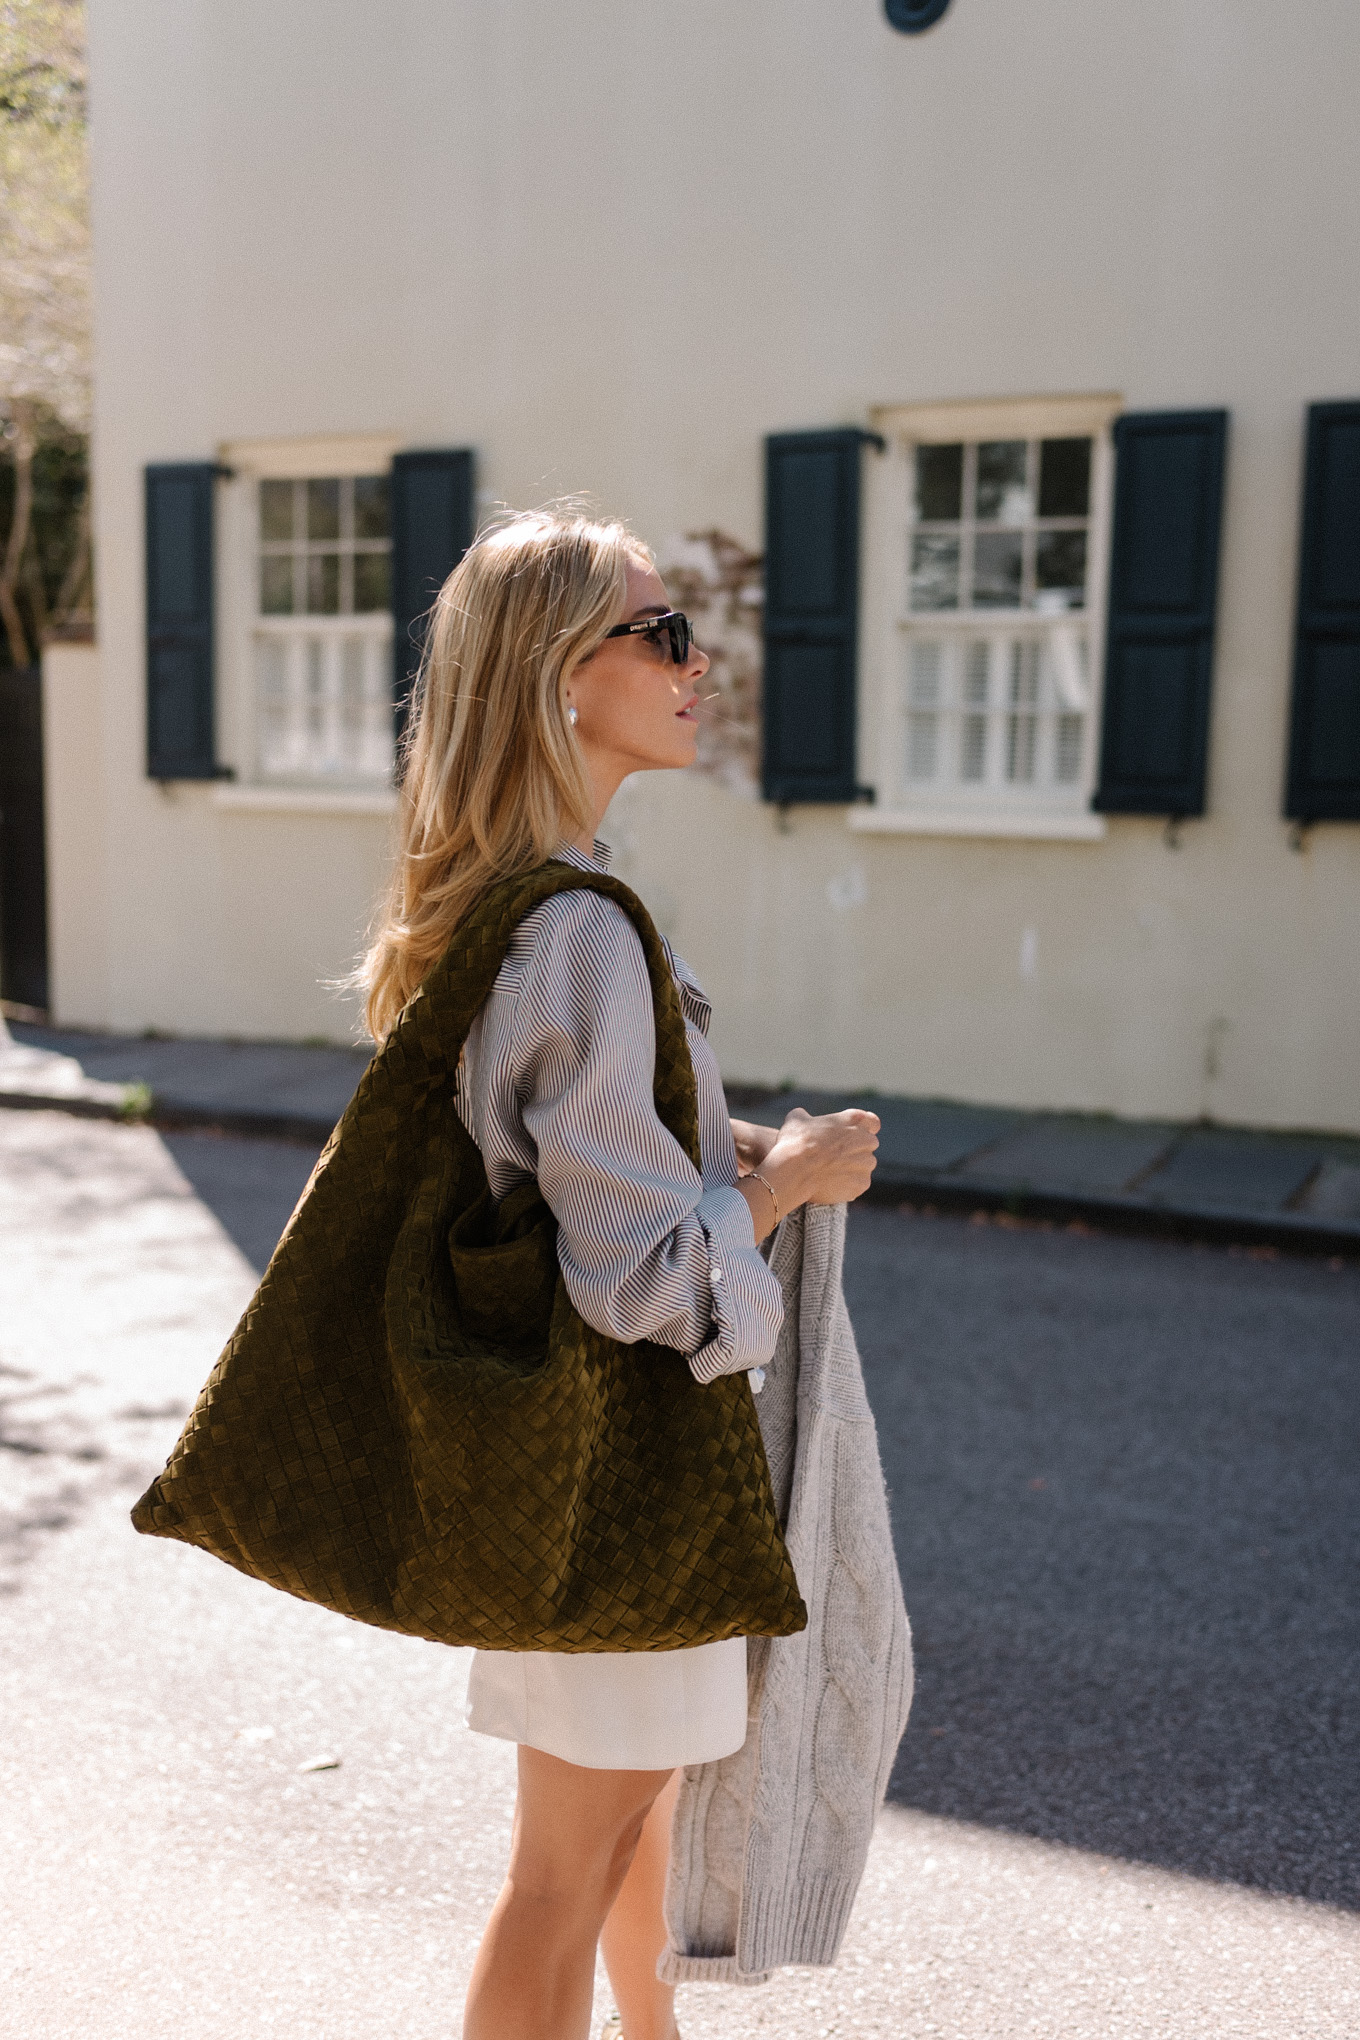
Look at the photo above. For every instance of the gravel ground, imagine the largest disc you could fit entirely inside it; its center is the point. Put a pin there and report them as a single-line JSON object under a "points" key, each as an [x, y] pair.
{"points": [[1141, 1716]]}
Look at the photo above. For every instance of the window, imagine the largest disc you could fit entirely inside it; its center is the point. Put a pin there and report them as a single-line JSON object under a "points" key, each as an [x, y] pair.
{"points": [[989, 533], [321, 631]]}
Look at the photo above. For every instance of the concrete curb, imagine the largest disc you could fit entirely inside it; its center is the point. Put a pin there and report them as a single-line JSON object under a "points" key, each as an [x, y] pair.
{"points": [[1285, 1232], [174, 1118]]}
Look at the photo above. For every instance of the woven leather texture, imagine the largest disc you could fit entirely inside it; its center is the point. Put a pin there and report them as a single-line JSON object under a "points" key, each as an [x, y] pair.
{"points": [[412, 1425]]}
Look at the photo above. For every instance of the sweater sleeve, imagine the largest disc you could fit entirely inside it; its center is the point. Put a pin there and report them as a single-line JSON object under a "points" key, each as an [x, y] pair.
{"points": [[647, 1251]]}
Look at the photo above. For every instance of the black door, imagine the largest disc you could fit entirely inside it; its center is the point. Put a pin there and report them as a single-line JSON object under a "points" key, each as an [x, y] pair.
{"points": [[23, 859]]}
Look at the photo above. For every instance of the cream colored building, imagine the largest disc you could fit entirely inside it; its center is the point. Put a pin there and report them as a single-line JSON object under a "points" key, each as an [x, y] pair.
{"points": [[614, 248]]}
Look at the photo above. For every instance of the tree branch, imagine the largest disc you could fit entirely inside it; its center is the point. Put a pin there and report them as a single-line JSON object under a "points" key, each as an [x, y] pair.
{"points": [[73, 599], [25, 445]]}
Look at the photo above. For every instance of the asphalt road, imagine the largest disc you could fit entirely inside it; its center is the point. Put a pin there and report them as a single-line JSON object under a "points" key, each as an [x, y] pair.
{"points": [[1124, 1483]]}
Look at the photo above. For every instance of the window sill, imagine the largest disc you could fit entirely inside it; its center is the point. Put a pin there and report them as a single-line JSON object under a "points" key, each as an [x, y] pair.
{"points": [[1079, 826], [306, 800]]}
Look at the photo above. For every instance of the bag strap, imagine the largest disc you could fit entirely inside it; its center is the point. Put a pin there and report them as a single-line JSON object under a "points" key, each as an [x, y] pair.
{"points": [[435, 1024]]}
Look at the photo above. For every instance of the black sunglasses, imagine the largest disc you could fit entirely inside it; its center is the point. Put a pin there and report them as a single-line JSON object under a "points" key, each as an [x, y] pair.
{"points": [[674, 622]]}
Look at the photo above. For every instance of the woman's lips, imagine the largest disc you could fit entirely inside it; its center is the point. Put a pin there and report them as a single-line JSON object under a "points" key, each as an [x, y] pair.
{"points": [[686, 714]]}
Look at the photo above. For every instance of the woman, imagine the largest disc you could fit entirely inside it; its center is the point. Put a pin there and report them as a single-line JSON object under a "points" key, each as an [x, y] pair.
{"points": [[556, 667]]}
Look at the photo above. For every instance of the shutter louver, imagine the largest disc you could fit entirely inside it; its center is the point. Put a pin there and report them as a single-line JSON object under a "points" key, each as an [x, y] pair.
{"points": [[432, 519], [1324, 745], [812, 489], [1163, 595], [180, 741]]}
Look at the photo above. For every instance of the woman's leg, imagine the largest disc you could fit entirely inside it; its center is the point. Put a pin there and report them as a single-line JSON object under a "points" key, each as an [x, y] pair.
{"points": [[575, 1834], [635, 1932]]}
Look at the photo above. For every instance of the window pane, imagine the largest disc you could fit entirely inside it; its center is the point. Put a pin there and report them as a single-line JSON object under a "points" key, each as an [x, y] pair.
{"points": [[1003, 491], [276, 585], [271, 667], [1065, 478], [934, 571], [1024, 674], [1020, 731], [975, 669], [1067, 766], [323, 584], [927, 667], [315, 703], [323, 509], [973, 748], [276, 510], [922, 746], [372, 512], [996, 570], [1060, 563], [939, 483], [1022, 725], [372, 581]]}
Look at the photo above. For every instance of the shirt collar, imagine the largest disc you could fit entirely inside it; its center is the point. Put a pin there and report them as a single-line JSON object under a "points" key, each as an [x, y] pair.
{"points": [[567, 853]]}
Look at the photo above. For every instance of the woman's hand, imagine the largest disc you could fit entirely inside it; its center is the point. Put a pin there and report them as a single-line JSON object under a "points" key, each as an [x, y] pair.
{"points": [[753, 1142], [829, 1160]]}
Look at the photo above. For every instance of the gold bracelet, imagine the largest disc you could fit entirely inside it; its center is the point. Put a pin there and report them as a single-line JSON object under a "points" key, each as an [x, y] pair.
{"points": [[769, 1190]]}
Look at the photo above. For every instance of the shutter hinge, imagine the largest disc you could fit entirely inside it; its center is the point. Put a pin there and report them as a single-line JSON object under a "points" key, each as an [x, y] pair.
{"points": [[865, 796], [221, 472], [874, 439]]}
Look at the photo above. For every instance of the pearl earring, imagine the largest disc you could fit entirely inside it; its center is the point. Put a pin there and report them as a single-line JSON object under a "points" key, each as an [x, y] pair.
{"points": [[572, 717]]}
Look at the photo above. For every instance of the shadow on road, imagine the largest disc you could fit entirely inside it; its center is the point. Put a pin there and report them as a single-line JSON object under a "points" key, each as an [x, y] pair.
{"points": [[1127, 1504], [250, 1186]]}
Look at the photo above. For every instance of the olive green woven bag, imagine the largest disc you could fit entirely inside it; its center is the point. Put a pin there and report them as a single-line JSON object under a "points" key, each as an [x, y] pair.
{"points": [[412, 1425]]}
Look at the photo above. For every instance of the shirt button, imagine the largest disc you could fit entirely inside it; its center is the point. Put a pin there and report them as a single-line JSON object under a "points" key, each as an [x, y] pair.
{"points": [[756, 1376], [715, 1274]]}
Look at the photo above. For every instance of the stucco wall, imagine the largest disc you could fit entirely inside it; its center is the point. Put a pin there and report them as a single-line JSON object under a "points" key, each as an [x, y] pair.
{"points": [[611, 246], [76, 821]]}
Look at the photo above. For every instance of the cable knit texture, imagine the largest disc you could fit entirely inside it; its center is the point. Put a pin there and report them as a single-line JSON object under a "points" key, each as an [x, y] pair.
{"points": [[768, 1846]]}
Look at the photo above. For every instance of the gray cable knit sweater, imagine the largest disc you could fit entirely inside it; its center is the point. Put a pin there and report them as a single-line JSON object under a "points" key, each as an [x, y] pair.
{"points": [[768, 1846]]}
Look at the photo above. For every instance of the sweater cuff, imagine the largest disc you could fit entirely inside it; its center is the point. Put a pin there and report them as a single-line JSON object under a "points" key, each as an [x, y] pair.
{"points": [[748, 1301]]}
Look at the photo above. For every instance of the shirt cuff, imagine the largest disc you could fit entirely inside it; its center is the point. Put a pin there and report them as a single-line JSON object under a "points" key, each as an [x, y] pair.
{"points": [[748, 1302]]}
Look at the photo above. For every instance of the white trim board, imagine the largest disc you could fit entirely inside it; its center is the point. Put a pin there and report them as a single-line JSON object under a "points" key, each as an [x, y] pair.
{"points": [[1073, 828]]}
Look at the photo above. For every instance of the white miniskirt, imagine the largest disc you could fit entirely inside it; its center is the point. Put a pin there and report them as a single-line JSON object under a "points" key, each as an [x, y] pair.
{"points": [[643, 1710]]}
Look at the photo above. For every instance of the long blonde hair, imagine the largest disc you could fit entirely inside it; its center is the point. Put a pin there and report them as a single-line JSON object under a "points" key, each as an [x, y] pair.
{"points": [[493, 777]]}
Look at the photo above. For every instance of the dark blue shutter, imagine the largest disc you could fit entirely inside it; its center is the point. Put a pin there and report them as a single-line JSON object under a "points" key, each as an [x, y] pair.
{"points": [[1324, 745], [811, 603], [179, 621], [1159, 655], [432, 518]]}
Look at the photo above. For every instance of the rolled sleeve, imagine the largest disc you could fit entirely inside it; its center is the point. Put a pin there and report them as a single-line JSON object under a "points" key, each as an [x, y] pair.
{"points": [[646, 1249], [747, 1301]]}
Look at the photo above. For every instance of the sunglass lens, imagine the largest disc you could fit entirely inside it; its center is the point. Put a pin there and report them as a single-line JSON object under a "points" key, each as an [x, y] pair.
{"points": [[681, 638]]}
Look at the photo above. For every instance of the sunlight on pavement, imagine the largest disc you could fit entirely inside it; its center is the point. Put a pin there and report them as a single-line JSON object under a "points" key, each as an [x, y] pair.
{"points": [[170, 1856]]}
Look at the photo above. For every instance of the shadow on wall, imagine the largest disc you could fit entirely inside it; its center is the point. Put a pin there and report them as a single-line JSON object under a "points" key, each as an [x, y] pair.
{"points": [[1127, 1511]]}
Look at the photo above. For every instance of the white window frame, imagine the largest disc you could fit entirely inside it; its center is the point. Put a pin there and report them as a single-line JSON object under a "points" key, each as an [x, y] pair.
{"points": [[992, 808], [239, 622]]}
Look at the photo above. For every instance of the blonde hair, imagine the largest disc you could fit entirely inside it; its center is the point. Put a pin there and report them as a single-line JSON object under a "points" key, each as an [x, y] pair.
{"points": [[493, 777]]}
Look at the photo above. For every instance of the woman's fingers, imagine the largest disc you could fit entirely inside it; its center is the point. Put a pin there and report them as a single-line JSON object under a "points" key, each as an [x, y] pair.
{"points": [[832, 1157]]}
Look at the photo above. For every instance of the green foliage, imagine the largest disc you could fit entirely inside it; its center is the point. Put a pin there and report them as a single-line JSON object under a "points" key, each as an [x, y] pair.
{"points": [[60, 482], [42, 62], [138, 1102], [44, 323]]}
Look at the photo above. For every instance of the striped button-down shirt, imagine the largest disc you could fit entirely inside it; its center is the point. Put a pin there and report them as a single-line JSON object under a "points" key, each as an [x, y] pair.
{"points": [[556, 1082]]}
